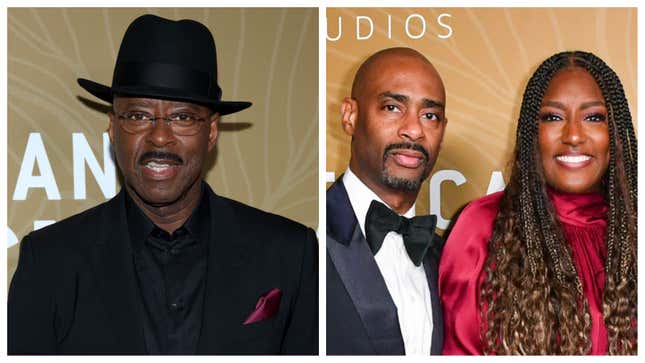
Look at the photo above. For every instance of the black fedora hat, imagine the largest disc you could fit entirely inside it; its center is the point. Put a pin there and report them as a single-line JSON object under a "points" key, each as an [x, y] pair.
{"points": [[166, 59]]}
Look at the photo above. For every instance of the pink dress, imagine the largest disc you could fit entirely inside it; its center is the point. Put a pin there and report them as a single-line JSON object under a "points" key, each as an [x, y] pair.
{"points": [[461, 271]]}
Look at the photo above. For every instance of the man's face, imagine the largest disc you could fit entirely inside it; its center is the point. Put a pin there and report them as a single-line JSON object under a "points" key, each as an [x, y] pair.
{"points": [[160, 166], [397, 121]]}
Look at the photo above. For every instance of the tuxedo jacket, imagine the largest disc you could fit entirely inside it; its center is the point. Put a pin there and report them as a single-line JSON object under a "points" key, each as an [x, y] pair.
{"points": [[361, 315], [75, 290]]}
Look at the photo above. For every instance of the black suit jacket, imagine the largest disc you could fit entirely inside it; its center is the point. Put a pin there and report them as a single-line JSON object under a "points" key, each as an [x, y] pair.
{"points": [[361, 315], [75, 289]]}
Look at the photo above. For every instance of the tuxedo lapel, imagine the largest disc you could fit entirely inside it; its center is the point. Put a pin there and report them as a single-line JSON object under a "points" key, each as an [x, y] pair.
{"points": [[341, 219], [116, 278], [430, 265], [360, 274]]}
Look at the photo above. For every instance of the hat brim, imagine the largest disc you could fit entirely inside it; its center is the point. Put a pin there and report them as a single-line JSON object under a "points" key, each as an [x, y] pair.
{"points": [[106, 93]]}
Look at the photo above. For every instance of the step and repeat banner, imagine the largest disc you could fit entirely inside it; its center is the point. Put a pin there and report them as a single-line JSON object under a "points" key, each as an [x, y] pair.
{"points": [[485, 57], [60, 161]]}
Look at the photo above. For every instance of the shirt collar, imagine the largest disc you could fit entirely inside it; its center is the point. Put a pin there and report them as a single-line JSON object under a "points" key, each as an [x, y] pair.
{"points": [[140, 226], [360, 197]]}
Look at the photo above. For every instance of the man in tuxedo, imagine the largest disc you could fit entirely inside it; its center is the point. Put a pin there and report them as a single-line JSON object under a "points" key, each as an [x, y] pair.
{"points": [[382, 295], [167, 266]]}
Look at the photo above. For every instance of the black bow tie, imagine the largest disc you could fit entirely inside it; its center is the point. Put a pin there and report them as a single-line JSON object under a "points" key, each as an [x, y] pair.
{"points": [[417, 232]]}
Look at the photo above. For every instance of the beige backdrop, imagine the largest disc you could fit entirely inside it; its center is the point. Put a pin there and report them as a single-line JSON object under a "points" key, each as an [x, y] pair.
{"points": [[267, 155], [485, 57]]}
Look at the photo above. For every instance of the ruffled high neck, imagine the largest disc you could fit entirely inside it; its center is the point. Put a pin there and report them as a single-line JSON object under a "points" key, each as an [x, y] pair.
{"points": [[582, 210]]}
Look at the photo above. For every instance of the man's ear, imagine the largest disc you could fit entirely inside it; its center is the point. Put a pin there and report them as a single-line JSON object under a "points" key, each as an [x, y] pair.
{"points": [[348, 115], [111, 125], [443, 131], [214, 130]]}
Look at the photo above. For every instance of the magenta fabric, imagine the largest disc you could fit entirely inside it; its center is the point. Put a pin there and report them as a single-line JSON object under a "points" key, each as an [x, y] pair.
{"points": [[267, 306], [461, 271]]}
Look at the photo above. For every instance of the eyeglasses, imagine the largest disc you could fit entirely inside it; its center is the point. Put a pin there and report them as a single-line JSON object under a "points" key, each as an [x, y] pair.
{"points": [[182, 123]]}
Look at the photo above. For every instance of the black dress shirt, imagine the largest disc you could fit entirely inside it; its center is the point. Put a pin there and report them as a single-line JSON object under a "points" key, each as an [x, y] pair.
{"points": [[171, 274]]}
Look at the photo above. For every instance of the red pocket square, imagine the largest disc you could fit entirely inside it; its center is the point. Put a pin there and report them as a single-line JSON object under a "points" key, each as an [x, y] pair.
{"points": [[266, 307]]}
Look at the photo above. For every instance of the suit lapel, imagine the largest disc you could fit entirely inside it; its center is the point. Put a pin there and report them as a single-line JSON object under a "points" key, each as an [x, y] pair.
{"points": [[225, 254], [116, 278], [430, 265], [360, 274]]}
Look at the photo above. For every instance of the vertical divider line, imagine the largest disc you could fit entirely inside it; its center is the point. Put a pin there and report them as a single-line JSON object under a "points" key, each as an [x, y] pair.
{"points": [[322, 165]]}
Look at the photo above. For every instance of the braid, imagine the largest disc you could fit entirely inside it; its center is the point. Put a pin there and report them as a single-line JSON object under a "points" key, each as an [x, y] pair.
{"points": [[532, 299], [621, 236]]}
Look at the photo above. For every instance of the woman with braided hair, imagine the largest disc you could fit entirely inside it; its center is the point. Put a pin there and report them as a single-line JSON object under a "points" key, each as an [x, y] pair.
{"points": [[548, 266]]}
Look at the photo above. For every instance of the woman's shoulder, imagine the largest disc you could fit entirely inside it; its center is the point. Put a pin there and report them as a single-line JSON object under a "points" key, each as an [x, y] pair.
{"points": [[474, 225], [484, 208], [466, 247]]}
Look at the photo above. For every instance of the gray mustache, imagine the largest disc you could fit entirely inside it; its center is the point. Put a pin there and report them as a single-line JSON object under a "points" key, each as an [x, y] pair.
{"points": [[160, 155]]}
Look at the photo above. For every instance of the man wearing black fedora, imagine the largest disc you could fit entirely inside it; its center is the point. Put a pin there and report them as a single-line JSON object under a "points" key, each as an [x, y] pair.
{"points": [[167, 266]]}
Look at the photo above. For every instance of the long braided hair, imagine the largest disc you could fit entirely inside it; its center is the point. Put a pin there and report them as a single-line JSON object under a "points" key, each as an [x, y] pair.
{"points": [[531, 299]]}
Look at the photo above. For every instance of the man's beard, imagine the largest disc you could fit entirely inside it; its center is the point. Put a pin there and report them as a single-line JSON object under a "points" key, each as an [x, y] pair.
{"points": [[400, 183]]}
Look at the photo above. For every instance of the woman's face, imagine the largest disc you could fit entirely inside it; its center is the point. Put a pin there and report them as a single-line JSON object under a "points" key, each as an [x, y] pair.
{"points": [[573, 134]]}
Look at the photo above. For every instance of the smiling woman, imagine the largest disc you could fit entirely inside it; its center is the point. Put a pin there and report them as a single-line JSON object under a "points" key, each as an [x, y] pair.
{"points": [[541, 267], [573, 133]]}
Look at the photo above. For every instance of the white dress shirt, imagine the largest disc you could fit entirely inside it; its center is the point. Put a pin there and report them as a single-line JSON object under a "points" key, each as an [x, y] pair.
{"points": [[406, 282]]}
